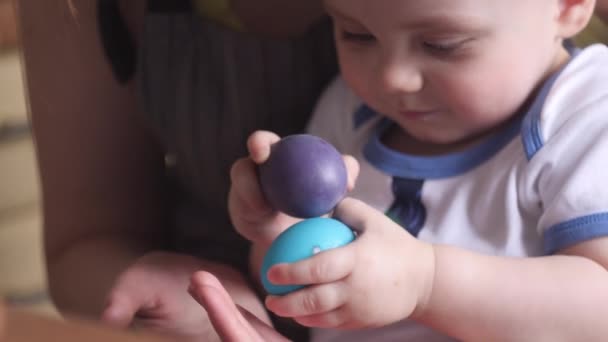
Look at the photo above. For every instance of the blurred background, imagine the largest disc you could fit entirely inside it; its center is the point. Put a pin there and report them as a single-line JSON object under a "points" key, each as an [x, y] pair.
{"points": [[22, 276]]}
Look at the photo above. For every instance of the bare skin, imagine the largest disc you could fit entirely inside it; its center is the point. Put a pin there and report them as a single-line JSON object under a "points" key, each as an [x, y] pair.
{"points": [[232, 322], [104, 230]]}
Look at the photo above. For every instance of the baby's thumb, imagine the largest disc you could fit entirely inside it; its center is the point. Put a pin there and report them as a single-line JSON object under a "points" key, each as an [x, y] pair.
{"points": [[258, 145], [352, 170], [119, 311]]}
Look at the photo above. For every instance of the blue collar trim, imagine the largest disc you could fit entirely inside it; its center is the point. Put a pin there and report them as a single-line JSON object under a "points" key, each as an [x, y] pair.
{"points": [[419, 167]]}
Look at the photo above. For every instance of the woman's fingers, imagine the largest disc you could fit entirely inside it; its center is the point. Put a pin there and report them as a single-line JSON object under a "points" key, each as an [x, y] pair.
{"points": [[232, 322], [119, 314], [123, 303], [228, 321], [264, 330]]}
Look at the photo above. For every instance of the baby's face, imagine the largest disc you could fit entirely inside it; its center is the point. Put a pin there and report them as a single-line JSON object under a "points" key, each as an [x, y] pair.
{"points": [[446, 70]]}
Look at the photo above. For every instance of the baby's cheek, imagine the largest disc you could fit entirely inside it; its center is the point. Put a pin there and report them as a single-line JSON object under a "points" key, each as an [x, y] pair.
{"points": [[483, 103]]}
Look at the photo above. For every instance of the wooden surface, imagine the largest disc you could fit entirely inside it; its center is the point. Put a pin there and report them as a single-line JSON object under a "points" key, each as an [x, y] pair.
{"points": [[22, 326]]}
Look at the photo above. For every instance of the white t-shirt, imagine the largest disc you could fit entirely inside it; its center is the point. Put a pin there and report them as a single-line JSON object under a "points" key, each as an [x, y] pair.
{"points": [[538, 186]]}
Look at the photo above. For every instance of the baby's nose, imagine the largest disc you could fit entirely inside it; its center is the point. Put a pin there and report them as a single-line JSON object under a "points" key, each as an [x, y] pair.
{"points": [[401, 76]]}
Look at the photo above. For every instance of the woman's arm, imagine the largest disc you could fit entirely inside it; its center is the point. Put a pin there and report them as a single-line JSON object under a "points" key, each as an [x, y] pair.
{"points": [[101, 172], [554, 298]]}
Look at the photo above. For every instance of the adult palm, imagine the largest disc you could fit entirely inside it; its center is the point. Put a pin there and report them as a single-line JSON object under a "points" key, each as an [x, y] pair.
{"points": [[231, 322]]}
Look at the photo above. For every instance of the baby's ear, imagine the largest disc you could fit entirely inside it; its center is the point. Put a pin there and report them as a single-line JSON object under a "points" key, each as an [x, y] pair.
{"points": [[574, 16]]}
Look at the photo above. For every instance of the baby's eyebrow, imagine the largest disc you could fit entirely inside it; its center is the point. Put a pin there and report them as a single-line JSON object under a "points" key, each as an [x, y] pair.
{"points": [[458, 22], [447, 21], [346, 20], [334, 12]]}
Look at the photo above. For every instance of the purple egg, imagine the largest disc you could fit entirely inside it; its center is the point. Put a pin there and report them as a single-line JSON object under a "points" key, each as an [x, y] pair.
{"points": [[304, 176]]}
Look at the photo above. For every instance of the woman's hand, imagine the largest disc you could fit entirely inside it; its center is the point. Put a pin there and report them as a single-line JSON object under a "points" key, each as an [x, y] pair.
{"points": [[152, 294], [382, 277], [231, 322]]}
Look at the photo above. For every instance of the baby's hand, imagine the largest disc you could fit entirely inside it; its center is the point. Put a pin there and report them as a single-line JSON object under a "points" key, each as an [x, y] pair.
{"points": [[250, 212], [382, 277]]}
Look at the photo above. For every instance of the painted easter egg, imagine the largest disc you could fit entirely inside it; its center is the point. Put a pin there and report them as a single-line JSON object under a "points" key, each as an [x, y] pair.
{"points": [[300, 241], [304, 176]]}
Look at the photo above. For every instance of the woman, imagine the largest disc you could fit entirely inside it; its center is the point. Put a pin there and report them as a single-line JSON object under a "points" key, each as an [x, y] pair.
{"points": [[135, 136]]}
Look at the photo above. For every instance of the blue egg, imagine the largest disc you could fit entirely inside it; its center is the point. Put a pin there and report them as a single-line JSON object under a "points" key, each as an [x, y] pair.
{"points": [[300, 241]]}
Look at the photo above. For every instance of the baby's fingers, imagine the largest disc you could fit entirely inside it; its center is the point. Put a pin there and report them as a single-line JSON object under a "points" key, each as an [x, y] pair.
{"points": [[259, 143], [328, 266], [337, 319], [246, 187], [312, 300], [352, 170]]}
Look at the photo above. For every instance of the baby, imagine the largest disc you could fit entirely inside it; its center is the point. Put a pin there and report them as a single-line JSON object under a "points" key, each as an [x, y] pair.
{"points": [[481, 202]]}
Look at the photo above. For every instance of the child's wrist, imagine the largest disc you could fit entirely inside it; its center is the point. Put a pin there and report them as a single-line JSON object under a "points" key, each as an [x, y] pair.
{"points": [[428, 269]]}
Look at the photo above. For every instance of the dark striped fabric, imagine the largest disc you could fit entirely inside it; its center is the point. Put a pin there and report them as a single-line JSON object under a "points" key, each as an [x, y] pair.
{"points": [[204, 89]]}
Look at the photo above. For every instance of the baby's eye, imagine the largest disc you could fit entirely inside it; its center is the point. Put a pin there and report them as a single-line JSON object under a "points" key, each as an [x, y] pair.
{"points": [[357, 37], [446, 48]]}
